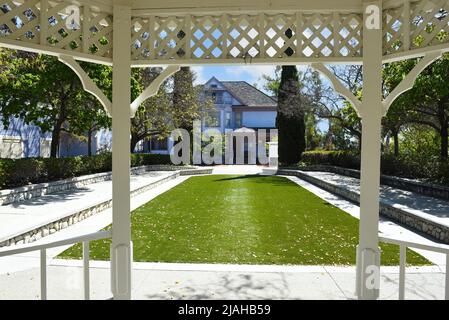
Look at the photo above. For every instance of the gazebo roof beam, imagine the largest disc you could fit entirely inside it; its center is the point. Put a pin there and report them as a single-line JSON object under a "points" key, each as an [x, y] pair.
{"points": [[142, 7]]}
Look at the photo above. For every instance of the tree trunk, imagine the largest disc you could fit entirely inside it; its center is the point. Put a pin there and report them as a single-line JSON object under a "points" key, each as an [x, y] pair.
{"points": [[359, 142], [134, 141], [396, 143], [55, 137], [444, 140], [89, 143], [387, 147], [444, 131]]}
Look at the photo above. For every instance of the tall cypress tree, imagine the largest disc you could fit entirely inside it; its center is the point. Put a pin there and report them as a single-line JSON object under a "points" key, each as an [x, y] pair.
{"points": [[290, 119], [184, 97]]}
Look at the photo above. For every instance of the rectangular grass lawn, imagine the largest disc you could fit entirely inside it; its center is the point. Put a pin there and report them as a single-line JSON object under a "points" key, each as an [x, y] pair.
{"points": [[243, 220]]}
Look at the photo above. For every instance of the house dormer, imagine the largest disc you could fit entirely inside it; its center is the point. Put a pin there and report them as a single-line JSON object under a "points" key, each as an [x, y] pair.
{"points": [[218, 93]]}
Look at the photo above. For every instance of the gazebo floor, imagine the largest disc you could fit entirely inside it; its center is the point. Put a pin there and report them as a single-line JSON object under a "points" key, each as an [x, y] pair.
{"points": [[202, 281]]}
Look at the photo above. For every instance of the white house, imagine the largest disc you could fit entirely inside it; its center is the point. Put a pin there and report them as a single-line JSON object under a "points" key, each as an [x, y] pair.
{"points": [[237, 105]]}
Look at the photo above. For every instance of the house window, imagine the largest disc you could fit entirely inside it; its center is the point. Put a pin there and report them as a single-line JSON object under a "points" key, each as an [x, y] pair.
{"points": [[238, 119], [228, 119], [227, 99], [213, 119], [217, 97]]}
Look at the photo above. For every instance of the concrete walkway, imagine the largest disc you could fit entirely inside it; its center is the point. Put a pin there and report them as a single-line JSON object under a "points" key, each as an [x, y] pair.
{"points": [[205, 281], [428, 207], [18, 218], [92, 224]]}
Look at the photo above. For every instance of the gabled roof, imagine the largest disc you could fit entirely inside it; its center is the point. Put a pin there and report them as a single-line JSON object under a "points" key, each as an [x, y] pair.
{"points": [[248, 95]]}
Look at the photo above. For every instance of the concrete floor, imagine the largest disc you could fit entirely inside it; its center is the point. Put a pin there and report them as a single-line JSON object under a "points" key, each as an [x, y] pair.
{"points": [[184, 281]]}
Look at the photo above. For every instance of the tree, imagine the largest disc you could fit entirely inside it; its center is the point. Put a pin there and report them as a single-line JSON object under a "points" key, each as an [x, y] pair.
{"points": [[42, 91], [185, 99], [309, 92], [342, 117], [153, 116], [176, 105], [428, 102], [290, 118]]}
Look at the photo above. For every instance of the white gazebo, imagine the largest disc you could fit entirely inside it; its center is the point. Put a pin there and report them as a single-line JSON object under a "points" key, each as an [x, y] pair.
{"points": [[174, 33]]}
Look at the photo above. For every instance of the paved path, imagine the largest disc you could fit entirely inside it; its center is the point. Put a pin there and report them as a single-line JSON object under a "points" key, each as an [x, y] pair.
{"points": [[18, 218], [92, 224], [421, 205], [205, 281]]}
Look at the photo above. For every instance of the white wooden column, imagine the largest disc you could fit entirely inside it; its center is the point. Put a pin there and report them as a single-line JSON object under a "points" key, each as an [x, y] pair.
{"points": [[368, 253], [121, 248]]}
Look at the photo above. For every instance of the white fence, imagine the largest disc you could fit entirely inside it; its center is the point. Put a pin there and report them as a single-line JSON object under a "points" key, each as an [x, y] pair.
{"points": [[403, 245], [85, 239]]}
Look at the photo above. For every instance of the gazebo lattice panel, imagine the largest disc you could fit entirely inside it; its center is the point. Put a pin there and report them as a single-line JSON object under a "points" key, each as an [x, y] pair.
{"points": [[245, 36], [223, 37], [45, 23]]}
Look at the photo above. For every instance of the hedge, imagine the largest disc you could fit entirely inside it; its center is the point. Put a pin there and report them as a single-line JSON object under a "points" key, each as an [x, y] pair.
{"points": [[407, 166], [346, 159], [19, 172]]}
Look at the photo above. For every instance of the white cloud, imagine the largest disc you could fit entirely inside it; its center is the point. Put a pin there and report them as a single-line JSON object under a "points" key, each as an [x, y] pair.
{"points": [[199, 71], [251, 73]]}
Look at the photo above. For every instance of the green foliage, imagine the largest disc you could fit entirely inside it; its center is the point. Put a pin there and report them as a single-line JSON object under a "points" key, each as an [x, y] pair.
{"points": [[346, 159], [176, 105], [143, 159], [290, 119], [411, 166], [419, 141], [45, 92], [19, 172], [426, 104]]}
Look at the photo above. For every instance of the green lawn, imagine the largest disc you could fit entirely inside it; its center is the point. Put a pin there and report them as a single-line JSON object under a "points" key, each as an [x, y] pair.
{"points": [[244, 220]]}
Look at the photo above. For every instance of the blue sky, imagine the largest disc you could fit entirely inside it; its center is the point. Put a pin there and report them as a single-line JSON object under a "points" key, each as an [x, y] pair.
{"points": [[250, 74]]}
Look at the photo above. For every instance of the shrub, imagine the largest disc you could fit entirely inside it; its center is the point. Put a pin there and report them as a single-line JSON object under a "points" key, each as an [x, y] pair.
{"points": [[407, 166], [346, 159], [19, 172]]}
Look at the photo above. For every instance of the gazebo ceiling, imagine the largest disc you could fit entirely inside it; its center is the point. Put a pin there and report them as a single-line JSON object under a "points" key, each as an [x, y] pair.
{"points": [[232, 31], [232, 6]]}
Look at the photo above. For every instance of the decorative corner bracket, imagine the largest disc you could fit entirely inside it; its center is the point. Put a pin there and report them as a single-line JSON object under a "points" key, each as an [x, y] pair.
{"points": [[409, 80], [87, 82], [153, 88], [339, 87]]}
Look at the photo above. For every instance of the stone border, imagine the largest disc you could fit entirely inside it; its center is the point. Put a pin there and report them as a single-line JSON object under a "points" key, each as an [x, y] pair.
{"points": [[435, 230], [424, 188], [9, 196], [42, 231]]}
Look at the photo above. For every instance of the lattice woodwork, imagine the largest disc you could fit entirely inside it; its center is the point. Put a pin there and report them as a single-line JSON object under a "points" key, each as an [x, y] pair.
{"points": [[222, 37], [244, 36], [44, 22], [429, 23]]}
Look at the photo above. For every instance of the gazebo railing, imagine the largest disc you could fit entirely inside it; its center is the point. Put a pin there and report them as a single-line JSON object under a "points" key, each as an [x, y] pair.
{"points": [[85, 239], [403, 245]]}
